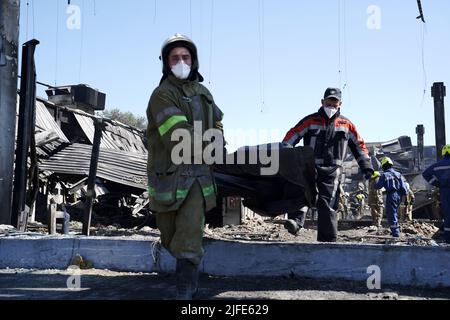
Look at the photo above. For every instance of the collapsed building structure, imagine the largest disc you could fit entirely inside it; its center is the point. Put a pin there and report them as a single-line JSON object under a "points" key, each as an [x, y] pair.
{"points": [[64, 135], [76, 157], [410, 161], [64, 138]]}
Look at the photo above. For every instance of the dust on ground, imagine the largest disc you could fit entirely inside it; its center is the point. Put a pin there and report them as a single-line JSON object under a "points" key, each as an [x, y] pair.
{"points": [[261, 229], [422, 233], [109, 285], [23, 284]]}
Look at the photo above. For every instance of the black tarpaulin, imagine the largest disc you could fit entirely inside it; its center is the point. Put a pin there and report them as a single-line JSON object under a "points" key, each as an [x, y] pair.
{"points": [[290, 188]]}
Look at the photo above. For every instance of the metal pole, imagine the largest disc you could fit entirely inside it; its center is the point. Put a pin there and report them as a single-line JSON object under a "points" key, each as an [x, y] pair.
{"points": [[420, 131], [92, 176], [438, 92], [9, 38], [25, 133]]}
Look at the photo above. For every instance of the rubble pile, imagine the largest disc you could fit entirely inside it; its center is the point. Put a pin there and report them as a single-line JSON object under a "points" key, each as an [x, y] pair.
{"points": [[254, 229], [420, 228], [118, 231], [259, 229], [5, 229], [97, 229]]}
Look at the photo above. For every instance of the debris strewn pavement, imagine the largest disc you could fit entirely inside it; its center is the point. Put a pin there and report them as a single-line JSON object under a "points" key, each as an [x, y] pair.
{"points": [[103, 284], [261, 229]]}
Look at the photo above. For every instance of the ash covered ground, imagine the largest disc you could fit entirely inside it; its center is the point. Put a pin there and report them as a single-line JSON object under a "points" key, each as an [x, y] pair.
{"points": [[423, 233]]}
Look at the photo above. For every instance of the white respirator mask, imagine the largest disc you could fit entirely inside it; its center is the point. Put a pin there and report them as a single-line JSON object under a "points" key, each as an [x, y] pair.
{"points": [[181, 70], [330, 111]]}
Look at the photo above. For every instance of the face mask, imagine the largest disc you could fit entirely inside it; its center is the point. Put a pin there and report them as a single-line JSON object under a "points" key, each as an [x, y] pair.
{"points": [[330, 111], [181, 70]]}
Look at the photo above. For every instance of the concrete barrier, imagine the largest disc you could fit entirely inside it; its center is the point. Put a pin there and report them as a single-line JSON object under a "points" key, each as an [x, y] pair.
{"points": [[57, 253], [399, 264], [406, 265]]}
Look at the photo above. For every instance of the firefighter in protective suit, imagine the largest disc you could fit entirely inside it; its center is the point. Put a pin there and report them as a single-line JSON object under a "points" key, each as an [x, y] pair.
{"points": [[395, 185], [360, 197], [181, 191], [375, 204], [438, 175], [406, 208]]}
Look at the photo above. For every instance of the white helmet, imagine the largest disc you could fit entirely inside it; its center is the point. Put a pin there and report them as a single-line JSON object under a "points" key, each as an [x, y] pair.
{"points": [[179, 40]]}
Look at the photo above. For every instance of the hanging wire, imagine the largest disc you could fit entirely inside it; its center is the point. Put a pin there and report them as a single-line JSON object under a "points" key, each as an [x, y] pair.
{"points": [[190, 17], [211, 42], [26, 32], [95, 8], [56, 42], [422, 33], [154, 13], [346, 86], [261, 52], [424, 70], [82, 43], [32, 13], [344, 39], [201, 21], [339, 45]]}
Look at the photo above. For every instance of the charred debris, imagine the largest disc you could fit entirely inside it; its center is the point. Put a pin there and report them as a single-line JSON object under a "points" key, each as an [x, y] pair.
{"points": [[64, 138], [65, 135]]}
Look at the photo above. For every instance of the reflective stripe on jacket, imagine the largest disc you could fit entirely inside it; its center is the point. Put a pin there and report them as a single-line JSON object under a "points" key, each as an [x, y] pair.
{"points": [[329, 139], [438, 174]]}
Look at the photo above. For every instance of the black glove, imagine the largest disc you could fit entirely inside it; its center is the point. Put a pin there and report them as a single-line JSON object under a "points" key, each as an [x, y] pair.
{"points": [[368, 173]]}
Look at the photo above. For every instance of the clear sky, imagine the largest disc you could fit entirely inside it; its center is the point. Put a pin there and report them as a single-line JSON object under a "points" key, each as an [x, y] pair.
{"points": [[266, 62]]}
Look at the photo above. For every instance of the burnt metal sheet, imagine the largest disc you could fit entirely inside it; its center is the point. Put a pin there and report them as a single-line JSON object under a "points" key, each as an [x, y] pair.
{"points": [[114, 137], [118, 166], [45, 121]]}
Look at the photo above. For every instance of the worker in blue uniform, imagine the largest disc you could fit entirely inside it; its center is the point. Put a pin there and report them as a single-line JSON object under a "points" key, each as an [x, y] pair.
{"points": [[395, 185], [438, 175]]}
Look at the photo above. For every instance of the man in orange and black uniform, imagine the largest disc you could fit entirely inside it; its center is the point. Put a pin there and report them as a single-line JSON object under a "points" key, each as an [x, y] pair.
{"points": [[328, 133]]}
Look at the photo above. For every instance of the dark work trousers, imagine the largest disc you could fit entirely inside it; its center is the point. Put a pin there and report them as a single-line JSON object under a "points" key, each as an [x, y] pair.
{"points": [[298, 215], [327, 181], [445, 204], [393, 200]]}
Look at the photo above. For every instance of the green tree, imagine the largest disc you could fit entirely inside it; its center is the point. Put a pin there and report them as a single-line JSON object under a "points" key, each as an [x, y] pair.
{"points": [[126, 118]]}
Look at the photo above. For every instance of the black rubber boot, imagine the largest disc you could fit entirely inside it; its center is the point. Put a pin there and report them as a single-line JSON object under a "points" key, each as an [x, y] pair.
{"points": [[292, 226], [296, 221], [187, 279]]}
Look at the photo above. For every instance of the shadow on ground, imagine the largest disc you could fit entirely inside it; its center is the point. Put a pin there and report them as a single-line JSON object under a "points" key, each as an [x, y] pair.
{"points": [[31, 286]]}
